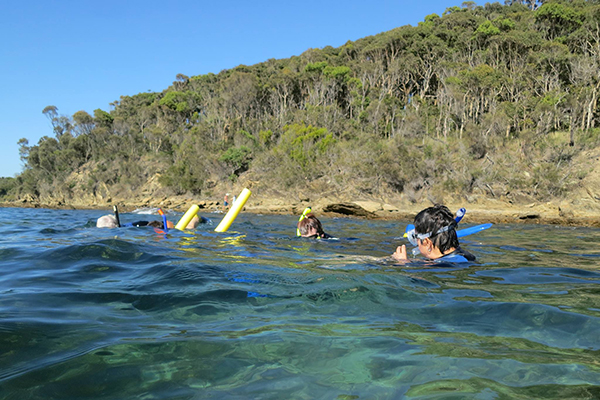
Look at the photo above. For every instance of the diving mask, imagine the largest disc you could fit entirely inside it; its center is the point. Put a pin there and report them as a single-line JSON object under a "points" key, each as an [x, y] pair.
{"points": [[412, 235]]}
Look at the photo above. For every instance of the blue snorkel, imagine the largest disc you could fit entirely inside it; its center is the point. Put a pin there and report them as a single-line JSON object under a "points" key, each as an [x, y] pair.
{"points": [[474, 229], [460, 214], [164, 217]]}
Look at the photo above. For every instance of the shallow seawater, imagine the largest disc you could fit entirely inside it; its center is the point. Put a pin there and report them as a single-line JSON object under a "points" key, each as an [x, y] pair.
{"points": [[258, 313]]}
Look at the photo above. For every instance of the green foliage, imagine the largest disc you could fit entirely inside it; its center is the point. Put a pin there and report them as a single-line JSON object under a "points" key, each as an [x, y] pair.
{"points": [[28, 182], [61, 124], [486, 29], [23, 149], [304, 144], [102, 118], [448, 106], [181, 178], [176, 101], [482, 77], [431, 18], [558, 18], [82, 117], [549, 101], [336, 72], [316, 67], [355, 82], [451, 10], [7, 185], [504, 24], [84, 122], [238, 158], [190, 168], [247, 137], [265, 137]]}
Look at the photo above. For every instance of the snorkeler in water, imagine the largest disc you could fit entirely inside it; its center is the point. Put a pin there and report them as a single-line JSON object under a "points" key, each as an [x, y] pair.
{"points": [[435, 236], [309, 226], [112, 221]]}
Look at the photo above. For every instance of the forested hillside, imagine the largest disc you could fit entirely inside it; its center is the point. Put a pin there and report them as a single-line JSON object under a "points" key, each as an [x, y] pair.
{"points": [[481, 100]]}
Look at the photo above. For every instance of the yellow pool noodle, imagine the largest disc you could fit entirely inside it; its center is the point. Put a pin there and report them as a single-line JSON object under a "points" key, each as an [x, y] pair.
{"points": [[233, 211], [187, 217]]}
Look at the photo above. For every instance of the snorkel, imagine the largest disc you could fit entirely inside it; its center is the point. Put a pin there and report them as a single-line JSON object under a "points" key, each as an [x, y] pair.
{"points": [[460, 214], [164, 218], [116, 211], [306, 211]]}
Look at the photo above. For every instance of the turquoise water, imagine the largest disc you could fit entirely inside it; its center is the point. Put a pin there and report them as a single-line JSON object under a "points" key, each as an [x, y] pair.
{"points": [[257, 313]]}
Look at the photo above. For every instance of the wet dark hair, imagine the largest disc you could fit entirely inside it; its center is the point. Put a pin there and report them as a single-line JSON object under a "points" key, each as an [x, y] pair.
{"points": [[311, 221], [156, 224], [431, 220]]}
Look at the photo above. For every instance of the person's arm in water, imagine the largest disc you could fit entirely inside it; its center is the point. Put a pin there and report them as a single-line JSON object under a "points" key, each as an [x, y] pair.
{"points": [[194, 222]]}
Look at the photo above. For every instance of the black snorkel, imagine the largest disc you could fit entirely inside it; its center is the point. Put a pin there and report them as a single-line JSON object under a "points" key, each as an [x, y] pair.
{"points": [[116, 211]]}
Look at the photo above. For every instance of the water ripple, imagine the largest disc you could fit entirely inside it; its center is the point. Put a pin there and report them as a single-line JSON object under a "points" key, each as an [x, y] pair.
{"points": [[259, 313]]}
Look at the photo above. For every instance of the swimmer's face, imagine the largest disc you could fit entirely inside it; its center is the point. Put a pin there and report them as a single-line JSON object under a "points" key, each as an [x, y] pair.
{"points": [[310, 231]]}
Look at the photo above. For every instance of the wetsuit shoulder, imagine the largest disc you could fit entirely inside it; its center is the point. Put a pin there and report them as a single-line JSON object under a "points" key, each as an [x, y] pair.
{"points": [[457, 256], [136, 223]]}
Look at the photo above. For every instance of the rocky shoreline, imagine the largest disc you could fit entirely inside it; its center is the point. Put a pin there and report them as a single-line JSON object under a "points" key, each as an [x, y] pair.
{"points": [[579, 207], [582, 213]]}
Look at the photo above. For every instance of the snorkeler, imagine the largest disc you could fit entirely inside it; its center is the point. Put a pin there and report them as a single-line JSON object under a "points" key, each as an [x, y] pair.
{"points": [[107, 221], [309, 226], [435, 236], [112, 221]]}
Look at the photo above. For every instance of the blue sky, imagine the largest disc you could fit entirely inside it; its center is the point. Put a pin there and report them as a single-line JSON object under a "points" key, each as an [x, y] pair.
{"points": [[83, 55]]}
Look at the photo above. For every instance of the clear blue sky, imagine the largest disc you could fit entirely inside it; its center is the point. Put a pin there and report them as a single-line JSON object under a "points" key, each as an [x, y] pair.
{"points": [[83, 55]]}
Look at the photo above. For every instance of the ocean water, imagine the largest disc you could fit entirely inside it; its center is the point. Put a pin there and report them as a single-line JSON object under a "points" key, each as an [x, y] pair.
{"points": [[256, 313]]}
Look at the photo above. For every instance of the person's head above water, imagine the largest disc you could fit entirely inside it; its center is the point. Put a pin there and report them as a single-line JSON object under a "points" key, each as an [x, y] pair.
{"points": [[435, 235], [310, 226], [110, 221], [159, 224], [435, 229], [107, 221]]}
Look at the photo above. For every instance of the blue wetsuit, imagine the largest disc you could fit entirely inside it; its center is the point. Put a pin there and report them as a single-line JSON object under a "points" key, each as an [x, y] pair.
{"points": [[457, 256]]}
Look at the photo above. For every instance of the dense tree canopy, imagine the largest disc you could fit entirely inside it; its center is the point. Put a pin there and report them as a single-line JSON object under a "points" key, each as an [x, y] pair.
{"points": [[483, 98]]}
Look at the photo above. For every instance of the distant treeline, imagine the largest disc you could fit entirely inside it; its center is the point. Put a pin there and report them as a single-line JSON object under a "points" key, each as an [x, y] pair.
{"points": [[483, 99]]}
